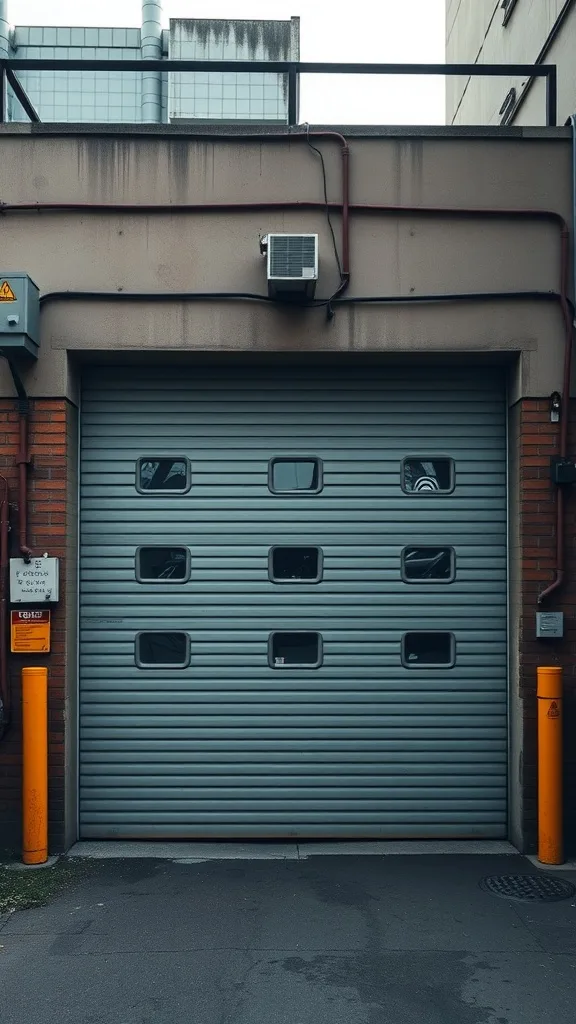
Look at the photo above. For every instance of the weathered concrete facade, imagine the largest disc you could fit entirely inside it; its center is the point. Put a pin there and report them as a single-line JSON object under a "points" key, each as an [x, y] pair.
{"points": [[430, 247]]}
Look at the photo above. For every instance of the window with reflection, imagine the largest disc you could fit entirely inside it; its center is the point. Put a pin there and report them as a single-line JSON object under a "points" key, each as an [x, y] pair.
{"points": [[295, 475], [162, 564], [423, 475], [162, 649], [169, 475], [428, 565]]}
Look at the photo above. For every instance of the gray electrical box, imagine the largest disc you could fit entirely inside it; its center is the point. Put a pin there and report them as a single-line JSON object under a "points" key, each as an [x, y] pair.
{"points": [[549, 625], [19, 314]]}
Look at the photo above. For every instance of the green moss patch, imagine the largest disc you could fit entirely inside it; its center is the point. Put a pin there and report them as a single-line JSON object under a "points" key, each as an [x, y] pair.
{"points": [[23, 889]]}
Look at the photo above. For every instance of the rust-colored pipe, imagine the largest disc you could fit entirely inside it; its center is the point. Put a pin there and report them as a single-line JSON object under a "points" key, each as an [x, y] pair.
{"points": [[5, 693], [23, 462], [343, 206], [487, 212], [22, 458]]}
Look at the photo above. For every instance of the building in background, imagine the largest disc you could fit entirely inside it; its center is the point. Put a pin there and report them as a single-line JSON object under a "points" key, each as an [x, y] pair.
{"points": [[509, 31], [153, 97]]}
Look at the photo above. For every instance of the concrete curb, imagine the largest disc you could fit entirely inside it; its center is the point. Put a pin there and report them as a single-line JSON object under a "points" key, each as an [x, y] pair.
{"points": [[196, 853]]}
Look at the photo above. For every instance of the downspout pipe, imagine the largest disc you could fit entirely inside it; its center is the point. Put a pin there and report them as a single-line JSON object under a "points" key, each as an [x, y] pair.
{"points": [[566, 385], [23, 463], [151, 48], [22, 459]]}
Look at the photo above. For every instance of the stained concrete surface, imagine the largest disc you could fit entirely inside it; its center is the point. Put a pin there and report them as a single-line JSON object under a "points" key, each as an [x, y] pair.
{"points": [[326, 940]]}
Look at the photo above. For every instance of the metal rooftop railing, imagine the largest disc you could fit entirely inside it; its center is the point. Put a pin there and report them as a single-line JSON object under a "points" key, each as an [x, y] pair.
{"points": [[291, 69]]}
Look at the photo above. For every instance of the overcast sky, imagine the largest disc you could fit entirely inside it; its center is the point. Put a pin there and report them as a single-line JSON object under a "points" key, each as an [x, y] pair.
{"points": [[383, 31]]}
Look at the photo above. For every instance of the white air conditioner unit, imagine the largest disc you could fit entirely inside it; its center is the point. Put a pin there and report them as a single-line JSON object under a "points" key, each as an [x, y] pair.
{"points": [[292, 266]]}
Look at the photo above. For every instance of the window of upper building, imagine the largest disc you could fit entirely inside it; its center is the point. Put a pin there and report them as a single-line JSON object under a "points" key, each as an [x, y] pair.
{"points": [[508, 8]]}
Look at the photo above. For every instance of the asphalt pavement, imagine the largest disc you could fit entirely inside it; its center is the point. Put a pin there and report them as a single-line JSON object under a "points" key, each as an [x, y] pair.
{"points": [[325, 940]]}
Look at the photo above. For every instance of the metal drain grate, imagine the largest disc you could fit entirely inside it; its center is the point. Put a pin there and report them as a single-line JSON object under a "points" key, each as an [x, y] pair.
{"points": [[528, 888]]}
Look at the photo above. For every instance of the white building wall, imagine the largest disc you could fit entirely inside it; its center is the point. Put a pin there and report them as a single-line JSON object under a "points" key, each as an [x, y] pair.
{"points": [[476, 33], [230, 96]]}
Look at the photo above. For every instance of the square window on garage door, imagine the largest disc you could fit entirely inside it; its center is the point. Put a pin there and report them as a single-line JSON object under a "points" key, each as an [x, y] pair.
{"points": [[162, 564], [428, 649], [164, 475], [428, 565], [422, 474], [295, 475], [293, 564], [162, 649], [299, 649]]}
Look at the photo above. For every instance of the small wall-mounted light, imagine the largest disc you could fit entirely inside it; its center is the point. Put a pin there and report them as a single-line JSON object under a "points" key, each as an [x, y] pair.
{"points": [[555, 407]]}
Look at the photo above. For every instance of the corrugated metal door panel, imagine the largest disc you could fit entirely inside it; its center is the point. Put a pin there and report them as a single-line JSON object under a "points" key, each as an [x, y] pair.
{"points": [[229, 746]]}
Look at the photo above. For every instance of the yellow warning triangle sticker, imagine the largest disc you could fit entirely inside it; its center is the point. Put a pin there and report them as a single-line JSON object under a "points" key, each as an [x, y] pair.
{"points": [[6, 293]]}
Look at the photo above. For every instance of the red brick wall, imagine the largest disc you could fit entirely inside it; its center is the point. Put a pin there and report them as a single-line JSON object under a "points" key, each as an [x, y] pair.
{"points": [[49, 448], [539, 441]]}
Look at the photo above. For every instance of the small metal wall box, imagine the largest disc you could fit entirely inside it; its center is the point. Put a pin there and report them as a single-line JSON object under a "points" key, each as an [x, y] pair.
{"points": [[19, 314], [563, 471], [549, 625]]}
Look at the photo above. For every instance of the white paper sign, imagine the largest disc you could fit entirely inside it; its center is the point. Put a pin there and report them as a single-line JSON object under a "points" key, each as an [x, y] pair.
{"points": [[33, 582]]}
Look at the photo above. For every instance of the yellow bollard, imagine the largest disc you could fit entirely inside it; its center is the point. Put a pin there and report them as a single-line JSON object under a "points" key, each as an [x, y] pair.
{"points": [[35, 765], [550, 766]]}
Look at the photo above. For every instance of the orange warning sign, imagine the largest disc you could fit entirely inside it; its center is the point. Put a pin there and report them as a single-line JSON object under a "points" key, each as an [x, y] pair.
{"points": [[553, 710], [30, 631], [6, 293]]}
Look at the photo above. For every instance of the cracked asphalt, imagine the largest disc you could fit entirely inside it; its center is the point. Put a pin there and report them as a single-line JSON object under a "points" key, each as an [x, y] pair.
{"points": [[328, 940]]}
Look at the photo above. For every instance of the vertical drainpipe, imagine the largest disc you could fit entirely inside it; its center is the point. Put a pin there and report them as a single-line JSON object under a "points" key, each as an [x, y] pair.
{"points": [[151, 45]]}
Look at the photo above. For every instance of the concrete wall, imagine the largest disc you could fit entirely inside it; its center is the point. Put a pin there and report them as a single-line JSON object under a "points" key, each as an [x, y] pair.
{"points": [[219, 251], [475, 33]]}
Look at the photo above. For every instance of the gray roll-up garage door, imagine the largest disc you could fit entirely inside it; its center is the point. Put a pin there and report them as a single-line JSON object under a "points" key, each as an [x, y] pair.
{"points": [[293, 604]]}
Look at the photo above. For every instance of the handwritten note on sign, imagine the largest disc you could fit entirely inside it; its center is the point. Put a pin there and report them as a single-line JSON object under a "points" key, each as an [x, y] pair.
{"points": [[33, 582]]}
